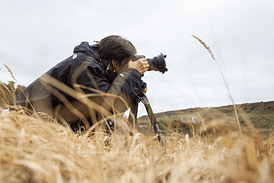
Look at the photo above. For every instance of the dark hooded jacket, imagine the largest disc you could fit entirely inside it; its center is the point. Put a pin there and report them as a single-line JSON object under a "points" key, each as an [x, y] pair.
{"points": [[85, 68]]}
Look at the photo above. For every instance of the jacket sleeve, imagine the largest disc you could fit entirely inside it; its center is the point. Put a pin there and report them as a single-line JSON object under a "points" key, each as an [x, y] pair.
{"points": [[126, 85]]}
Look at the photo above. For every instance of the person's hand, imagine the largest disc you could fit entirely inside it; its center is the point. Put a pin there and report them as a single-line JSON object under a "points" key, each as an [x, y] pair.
{"points": [[141, 65]]}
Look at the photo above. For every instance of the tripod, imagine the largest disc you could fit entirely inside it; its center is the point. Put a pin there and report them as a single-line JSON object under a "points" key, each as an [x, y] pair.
{"points": [[134, 109]]}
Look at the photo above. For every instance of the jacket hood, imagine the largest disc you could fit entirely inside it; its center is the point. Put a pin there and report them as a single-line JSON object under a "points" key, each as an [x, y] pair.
{"points": [[86, 48]]}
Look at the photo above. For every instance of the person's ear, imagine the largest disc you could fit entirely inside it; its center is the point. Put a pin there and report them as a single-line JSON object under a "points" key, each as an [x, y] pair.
{"points": [[113, 63]]}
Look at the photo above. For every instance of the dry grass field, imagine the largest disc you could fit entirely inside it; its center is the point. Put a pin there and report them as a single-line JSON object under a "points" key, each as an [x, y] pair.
{"points": [[221, 147], [33, 150]]}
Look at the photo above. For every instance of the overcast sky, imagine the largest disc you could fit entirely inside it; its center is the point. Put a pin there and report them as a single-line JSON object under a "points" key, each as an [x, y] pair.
{"points": [[36, 35]]}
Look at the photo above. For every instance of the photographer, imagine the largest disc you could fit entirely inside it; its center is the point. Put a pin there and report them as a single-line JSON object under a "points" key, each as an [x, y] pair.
{"points": [[104, 66]]}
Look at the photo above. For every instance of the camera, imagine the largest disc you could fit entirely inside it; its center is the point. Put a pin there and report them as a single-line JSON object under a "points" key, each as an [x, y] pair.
{"points": [[157, 63]]}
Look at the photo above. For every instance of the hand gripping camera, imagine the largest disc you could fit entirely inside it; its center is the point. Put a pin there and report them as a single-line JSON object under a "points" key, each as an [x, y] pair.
{"points": [[157, 63]]}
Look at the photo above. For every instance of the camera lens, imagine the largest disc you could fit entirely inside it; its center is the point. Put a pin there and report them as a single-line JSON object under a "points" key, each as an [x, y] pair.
{"points": [[158, 63]]}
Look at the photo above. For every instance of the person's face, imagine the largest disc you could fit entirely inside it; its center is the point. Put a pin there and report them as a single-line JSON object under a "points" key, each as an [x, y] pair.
{"points": [[117, 66]]}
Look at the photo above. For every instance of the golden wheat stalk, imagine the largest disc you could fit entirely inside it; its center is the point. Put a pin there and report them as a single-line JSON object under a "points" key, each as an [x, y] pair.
{"points": [[10, 72], [203, 43], [2, 91], [230, 96]]}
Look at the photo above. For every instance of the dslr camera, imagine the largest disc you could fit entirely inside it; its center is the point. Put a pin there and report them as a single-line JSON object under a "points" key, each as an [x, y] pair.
{"points": [[157, 63]]}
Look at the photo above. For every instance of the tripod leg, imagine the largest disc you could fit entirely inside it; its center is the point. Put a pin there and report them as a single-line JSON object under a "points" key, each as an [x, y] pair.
{"points": [[133, 119], [152, 119], [133, 110]]}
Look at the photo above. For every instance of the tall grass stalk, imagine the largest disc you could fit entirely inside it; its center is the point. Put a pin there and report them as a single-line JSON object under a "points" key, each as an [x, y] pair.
{"points": [[230, 96]]}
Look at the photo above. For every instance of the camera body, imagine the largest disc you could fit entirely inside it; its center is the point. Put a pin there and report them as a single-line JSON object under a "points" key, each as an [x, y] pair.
{"points": [[157, 63]]}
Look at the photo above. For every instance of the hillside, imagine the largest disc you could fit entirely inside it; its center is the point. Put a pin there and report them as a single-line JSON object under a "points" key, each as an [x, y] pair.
{"points": [[260, 114]]}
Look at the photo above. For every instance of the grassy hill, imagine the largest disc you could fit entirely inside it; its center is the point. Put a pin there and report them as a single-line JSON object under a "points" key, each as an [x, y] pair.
{"points": [[260, 115]]}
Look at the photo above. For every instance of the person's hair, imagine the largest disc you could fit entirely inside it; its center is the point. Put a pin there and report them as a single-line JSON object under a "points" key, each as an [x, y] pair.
{"points": [[115, 47]]}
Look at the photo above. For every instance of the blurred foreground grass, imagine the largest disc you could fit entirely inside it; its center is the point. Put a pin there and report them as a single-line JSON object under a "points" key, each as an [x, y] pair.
{"points": [[32, 150]]}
